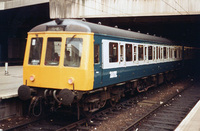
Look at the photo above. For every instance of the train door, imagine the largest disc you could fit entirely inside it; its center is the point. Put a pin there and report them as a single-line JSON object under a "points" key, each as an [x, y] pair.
{"points": [[97, 66], [122, 54]]}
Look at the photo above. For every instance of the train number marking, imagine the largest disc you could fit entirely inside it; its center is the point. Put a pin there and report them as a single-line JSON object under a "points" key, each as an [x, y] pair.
{"points": [[113, 74]]}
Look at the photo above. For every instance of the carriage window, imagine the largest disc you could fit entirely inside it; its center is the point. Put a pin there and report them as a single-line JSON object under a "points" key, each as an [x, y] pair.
{"points": [[165, 52], [180, 54], [140, 53], [175, 53], [170, 52], [96, 54], [121, 53], [150, 52], [35, 51], [154, 53], [53, 51], [73, 52], [145, 53], [113, 52], [129, 52], [135, 53], [157, 53]]}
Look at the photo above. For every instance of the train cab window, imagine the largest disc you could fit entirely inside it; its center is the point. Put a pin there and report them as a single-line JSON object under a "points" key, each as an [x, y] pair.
{"points": [[150, 53], [35, 51], [96, 54], [140, 52], [113, 52], [53, 51], [73, 52], [129, 52]]}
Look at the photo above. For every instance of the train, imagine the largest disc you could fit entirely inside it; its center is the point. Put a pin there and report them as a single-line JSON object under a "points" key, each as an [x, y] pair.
{"points": [[82, 66]]}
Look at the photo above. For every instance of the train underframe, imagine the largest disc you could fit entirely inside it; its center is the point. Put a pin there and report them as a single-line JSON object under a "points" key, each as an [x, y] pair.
{"points": [[91, 101]]}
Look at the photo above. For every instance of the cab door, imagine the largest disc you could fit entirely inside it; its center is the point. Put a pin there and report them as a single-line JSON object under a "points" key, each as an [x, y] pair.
{"points": [[50, 72]]}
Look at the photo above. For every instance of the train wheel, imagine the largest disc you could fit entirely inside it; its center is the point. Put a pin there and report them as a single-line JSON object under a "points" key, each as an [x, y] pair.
{"points": [[112, 102], [102, 103]]}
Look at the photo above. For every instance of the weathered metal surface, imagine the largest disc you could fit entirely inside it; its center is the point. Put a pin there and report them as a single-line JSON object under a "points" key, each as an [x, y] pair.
{"points": [[121, 8]]}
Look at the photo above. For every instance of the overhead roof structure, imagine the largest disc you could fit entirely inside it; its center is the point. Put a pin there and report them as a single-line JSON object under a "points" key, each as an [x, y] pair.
{"points": [[10, 4], [122, 8]]}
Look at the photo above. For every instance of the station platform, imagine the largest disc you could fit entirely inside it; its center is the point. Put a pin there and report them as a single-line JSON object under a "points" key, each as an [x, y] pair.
{"points": [[192, 121], [10, 83]]}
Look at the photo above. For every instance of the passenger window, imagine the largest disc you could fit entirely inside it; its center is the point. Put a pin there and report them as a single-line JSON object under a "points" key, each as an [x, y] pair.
{"points": [[113, 52], [175, 53], [121, 53], [165, 52], [145, 53], [140, 52], [150, 52], [96, 54], [180, 54], [73, 52], [135, 53], [53, 51], [129, 52], [154, 53], [157, 53], [35, 51]]}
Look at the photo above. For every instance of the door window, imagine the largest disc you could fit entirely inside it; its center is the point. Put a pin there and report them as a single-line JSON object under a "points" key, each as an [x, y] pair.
{"points": [[53, 51]]}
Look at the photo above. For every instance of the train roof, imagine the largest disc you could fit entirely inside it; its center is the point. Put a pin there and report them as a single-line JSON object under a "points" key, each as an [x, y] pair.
{"points": [[82, 26]]}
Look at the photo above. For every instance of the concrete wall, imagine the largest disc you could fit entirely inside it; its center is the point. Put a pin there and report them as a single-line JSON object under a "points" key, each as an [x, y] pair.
{"points": [[19, 3], [10, 107], [121, 8]]}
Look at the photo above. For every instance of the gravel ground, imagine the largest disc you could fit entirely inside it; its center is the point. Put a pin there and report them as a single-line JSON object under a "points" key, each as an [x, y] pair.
{"points": [[13, 121], [157, 95]]}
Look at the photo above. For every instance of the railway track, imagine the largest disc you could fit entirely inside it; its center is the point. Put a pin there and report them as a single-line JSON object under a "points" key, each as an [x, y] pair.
{"points": [[168, 115], [145, 108]]}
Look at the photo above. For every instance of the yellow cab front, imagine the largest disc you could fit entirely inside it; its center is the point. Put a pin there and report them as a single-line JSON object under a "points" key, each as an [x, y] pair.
{"points": [[59, 60]]}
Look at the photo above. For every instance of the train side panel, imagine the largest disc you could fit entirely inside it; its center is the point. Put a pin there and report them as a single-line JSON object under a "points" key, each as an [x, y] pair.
{"points": [[123, 71]]}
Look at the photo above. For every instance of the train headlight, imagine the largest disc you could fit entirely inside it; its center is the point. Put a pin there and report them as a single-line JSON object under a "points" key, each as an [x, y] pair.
{"points": [[71, 81], [32, 78]]}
